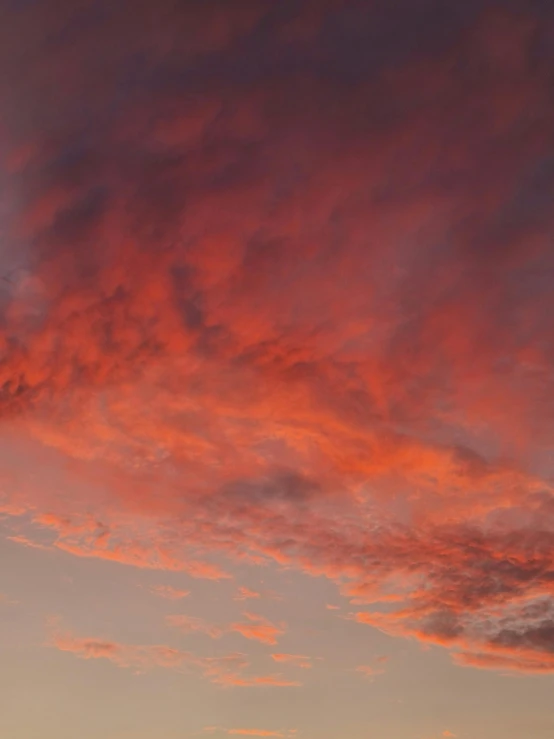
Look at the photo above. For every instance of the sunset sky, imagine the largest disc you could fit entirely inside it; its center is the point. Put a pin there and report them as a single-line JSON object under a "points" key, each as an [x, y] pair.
{"points": [[276, 369]]}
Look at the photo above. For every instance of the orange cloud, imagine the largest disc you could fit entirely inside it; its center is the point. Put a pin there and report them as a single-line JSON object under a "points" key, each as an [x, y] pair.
{"points": [[25, 541], [188, 624], [259, 629], [226, 671], [139, 658], [312, 333], [6, 601], [261, 680], [87, 538], [369, 671], [246, 593], [299, 660], [250, 732], [168, 592], [253, 732]]}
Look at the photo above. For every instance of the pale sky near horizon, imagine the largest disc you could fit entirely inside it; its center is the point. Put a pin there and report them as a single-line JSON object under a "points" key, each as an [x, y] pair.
{"points": [[276, 369]]}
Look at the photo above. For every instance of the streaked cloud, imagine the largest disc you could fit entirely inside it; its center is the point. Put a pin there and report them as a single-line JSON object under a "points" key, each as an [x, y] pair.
{"points": [[169, 593], [188, 624], [227, 670], [250, 732], [369, 671], [299, 660], [254, 732], [246, 594]]}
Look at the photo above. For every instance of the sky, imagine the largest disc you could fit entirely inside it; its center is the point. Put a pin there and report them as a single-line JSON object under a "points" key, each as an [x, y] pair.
{"points": [[276, 369]]}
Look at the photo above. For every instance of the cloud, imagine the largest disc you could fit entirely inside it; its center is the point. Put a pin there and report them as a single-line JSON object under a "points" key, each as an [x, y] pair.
{"points": [[5, 600], [85, 537], [189, 624], [226, 671], [25, 541], [369, 671], [253, 732], [250, 732], [168, 592], [282, 293], [139, 658], [245, 594], [299, 660], [276, 681], [258, 628]]}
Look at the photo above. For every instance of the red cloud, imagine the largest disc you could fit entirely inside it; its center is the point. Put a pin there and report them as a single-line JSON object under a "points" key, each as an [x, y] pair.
{"points": [[300, 317]]}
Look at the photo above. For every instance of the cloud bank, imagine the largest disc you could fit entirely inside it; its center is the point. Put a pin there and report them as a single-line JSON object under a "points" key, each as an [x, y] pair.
{"points": [[278, 288]]}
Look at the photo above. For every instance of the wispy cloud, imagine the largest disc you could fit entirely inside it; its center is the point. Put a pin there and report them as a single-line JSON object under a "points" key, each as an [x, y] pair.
{"points": [[246, 594], [228, 670], [369, 671], [168, 592], [254, 732], [256, 627], [188, 624], [25, 541], [299, 660], [251, 732], [259, 629]]}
